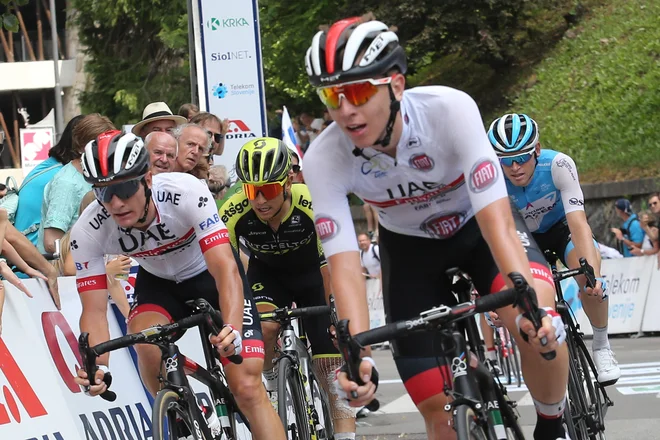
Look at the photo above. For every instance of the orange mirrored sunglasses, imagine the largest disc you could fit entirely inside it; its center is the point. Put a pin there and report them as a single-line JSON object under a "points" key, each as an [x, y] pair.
{"points": [[357, 93], [269, 190]]}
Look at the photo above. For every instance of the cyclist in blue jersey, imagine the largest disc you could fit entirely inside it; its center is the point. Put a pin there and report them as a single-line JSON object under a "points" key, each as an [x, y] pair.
{"points": [[544, 186]]}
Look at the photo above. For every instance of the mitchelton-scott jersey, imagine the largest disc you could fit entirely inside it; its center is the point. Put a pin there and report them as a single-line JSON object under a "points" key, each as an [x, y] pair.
{"points": [[553, 192], [185, 216], [444, 172], [294, 245]]}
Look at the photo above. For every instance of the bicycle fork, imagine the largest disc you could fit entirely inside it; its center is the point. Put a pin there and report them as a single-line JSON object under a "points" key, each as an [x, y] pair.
{"points": [[468, 393]]}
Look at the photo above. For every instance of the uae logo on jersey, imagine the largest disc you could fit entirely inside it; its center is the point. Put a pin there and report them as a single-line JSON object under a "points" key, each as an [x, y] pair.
{"points": [[443, 225], [483, 175], [326, 227], [421, 162]]}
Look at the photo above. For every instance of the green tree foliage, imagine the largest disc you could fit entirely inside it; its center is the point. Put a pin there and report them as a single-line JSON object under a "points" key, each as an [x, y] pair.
{"points": [[138, 53], [596, 96], [8, 19]]}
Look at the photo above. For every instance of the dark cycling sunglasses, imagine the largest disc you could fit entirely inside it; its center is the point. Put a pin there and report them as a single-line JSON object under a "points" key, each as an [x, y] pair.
{"points": [[217, 137], [124, 190], [295, 168]]}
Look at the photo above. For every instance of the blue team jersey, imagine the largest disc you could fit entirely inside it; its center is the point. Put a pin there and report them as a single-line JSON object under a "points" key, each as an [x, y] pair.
{"points": [[553, 191]]}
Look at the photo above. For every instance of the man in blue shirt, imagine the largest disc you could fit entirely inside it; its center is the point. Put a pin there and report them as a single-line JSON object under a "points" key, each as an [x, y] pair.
{"points": [[631, 232]]}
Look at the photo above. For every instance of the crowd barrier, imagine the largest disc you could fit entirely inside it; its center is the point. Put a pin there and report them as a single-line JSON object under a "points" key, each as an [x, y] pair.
{"points": [[633, 291], [39, 356]]}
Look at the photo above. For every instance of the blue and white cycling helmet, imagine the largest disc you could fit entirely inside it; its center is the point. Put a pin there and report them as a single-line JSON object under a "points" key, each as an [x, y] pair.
{"points": [[513, 134]]}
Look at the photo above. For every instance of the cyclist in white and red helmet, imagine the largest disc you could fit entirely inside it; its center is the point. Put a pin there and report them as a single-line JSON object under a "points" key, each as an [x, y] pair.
{"points": [[168, 223], [422, 159]]}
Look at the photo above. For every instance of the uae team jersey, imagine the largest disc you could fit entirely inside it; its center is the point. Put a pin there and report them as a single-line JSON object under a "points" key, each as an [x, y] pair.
{"points": [[186, 220], [444, 172], [553, 192]]}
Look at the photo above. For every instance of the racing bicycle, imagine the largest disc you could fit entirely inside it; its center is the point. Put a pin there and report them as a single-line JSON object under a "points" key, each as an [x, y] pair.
{"points": [[479, 411], [588, 401], [303, 404], [175, 412]]}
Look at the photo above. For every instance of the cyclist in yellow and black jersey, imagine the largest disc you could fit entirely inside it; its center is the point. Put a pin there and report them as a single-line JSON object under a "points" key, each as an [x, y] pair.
{"points": [[293, 244], [273, 218]]}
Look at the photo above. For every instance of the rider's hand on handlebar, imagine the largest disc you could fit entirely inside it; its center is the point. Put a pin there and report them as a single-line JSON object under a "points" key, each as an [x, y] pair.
{"points": [[597, 291], [99, 388], [228, 342], [552, 328], [365, 393], [493, 319]]}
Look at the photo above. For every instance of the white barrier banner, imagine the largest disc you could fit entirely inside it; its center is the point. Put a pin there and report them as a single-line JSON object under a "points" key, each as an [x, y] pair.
{"points": [[31, 404], [628, 284], [375, 303], [651, 321], [55, 339], [229, 70]]}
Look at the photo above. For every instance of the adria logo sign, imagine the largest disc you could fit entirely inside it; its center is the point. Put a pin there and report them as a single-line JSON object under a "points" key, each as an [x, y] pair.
{"points": [[19, 387], [239, 130]]}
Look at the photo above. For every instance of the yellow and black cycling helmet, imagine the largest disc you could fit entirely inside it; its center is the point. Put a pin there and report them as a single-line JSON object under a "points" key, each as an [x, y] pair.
{"points": [[263, 160]]}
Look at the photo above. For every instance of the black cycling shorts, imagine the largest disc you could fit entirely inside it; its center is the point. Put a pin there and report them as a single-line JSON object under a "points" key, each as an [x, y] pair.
{"points": [[167, 297], [557, 239], [280, 288], [415, 280]]}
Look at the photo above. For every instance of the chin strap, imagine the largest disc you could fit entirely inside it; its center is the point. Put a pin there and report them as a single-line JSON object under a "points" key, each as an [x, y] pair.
{"points": [[395, 106], [147, 193]]}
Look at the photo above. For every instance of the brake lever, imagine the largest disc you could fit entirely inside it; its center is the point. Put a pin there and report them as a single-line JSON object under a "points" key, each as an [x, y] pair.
{"points": [[350, 351], [588, 271], [527, 301], [88, 361]]}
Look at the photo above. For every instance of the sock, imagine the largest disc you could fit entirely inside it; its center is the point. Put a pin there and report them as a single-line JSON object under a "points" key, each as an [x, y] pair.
{"points": [[491, 354], [600, 339], [549, 421], [344, 436], [271, 379]]}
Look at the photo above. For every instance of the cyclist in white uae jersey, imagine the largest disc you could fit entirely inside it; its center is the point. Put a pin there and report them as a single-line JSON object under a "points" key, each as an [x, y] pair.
{"points": [[421, 157], [168, 223], [545, 187]]}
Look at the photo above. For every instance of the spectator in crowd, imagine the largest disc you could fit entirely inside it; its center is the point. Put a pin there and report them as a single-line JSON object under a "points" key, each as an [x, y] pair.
{"points": [[28, 213], [326, 115], [162, 152], [316, 128], [369, 256], [157, 116], [63, 194], [296, 169], [193, 142], [275, 125], [326, 124], [219, 182], [631, 234], [3, 190], [654, 204], [650, 245], [217, 130], [188, 111], [371, 215]]}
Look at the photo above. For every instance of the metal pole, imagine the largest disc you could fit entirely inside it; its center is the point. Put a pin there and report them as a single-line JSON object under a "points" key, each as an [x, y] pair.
{"points": [[59, 112], [191, 56]]}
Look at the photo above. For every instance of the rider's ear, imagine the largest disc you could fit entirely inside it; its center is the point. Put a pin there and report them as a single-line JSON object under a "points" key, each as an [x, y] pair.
{"points": [[147, 178], [398, 85]]}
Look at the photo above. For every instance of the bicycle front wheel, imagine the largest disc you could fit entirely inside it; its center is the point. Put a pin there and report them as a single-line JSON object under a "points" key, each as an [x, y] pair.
{"points": [[291, 401], [171, 417], [466, 426], [321, 405]]}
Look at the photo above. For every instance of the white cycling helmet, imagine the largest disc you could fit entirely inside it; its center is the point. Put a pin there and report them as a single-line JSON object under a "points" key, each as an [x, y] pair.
{"points": [[513, 134]]}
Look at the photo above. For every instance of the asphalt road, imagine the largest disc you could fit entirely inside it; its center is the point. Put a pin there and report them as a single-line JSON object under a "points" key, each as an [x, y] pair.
{"points": [[635, 414]]}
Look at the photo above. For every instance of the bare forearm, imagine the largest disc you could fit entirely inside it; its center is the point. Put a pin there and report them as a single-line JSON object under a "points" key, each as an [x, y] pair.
{"points": [[96, 324], [10, 254], [27, 250], [230, 294], [350, 290]]}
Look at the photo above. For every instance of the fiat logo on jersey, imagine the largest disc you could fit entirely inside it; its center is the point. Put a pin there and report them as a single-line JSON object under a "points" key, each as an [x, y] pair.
{"points": [[444, 225], [326, 227], [238, 129], [483, 175], [421, 162]]}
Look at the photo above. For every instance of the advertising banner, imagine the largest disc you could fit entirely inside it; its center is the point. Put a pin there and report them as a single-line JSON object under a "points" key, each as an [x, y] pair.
{"points": [[650, 322], [229, 70], [35, 144], [628, 284]]}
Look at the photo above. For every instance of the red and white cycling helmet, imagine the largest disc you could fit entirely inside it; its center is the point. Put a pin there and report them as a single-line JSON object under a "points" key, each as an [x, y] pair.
{"points": [[114, 156], [333, 55]]}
